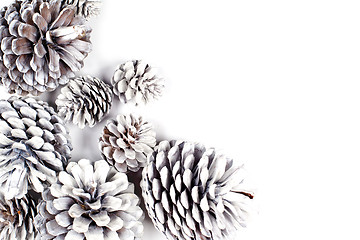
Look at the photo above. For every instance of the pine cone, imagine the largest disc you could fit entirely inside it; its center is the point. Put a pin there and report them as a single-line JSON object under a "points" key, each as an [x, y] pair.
{"points": [[34, 145], [136, 81], [126, 142], [84, 101], [85, 8], [41, 45], [16, 218], [192, 192], [91, 201]]}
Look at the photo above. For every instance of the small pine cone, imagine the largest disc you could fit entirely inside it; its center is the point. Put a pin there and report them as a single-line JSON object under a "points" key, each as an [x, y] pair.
{"points": [[85, 8], [90, 201], [34, 146], [42, 45], [193, 192], [136, 81], [84, 101], [16, 218], [126, 142]]}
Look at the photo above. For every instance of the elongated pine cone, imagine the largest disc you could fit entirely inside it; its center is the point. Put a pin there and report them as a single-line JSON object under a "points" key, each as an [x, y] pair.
{"points": [[127, 142], [84, 101], [42, 45], [16, 218], [90, 201], [136, 81], [34, 146], [193, 192], [85, 8]]}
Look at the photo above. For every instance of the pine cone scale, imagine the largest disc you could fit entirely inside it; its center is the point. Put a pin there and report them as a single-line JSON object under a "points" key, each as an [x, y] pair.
{"points": [[85, 8], [122, 144], [136, 81], [32, 28], [84, 101], [27, 31], [26, 136], [16, 218], [110, 208], [191, 192]]}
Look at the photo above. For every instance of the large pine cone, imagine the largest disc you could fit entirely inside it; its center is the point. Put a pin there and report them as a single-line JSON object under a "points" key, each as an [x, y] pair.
{"points": [[192, 192], [42, 45], [126, 142], [137, 82], [91, 201], [85, 8], [16, 218], [34, 146], [84, 101]]}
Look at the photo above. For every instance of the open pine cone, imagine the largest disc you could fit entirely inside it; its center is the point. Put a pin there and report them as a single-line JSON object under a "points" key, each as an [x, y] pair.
{"points": [[34, 146], [90, 201], [136, 81], [192, 192], [16, 218], [85, 8], [84, 101], [42, 45], [126, 142]]}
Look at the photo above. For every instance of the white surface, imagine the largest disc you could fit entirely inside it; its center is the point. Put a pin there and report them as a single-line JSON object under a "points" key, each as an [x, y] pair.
{"points": [[275, 84]]}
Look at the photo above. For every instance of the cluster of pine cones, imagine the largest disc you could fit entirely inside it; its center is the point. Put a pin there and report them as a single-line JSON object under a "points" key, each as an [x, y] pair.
{"points": [[190, 191]]}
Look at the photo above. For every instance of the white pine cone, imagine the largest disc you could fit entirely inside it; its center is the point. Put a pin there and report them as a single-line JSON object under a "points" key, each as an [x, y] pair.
{"points": [[84, 101], [34, 146], [16, 218], [136, 81], [193, 192], [42, 45], [85, 8], [127, 142], [90, 201]]}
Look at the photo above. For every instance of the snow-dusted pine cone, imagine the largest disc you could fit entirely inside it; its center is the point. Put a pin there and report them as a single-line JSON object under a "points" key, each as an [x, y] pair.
{"points": [[192, 192], [16, 218], [90, 201], [85, 8], [84, 101], [42, 45], [127, 141], [137, 82], [34, 146]]}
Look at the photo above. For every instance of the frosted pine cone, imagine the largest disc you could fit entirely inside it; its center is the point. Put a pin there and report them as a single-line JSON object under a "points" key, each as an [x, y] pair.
{"points": [[16, 218], [42, 45], [136, 81], [193, 192], [34, 146], [126, 142], [85, 8], [90, 201], [84, 101]]}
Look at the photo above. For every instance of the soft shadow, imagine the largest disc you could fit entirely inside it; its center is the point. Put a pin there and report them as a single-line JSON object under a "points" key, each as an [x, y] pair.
{"points": [[135, 178]]}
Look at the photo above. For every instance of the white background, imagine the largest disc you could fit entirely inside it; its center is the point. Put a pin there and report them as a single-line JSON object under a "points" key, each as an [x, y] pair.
{"points": [[275, 84]]}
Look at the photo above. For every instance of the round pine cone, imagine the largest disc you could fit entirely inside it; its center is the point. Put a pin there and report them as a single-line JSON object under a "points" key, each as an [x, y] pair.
{"points": [[42, 44], [193, 192], [34, 146], [16, 218], [126, 142], [84, 101], [136, 81], [85, 8], [90, 201]]}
